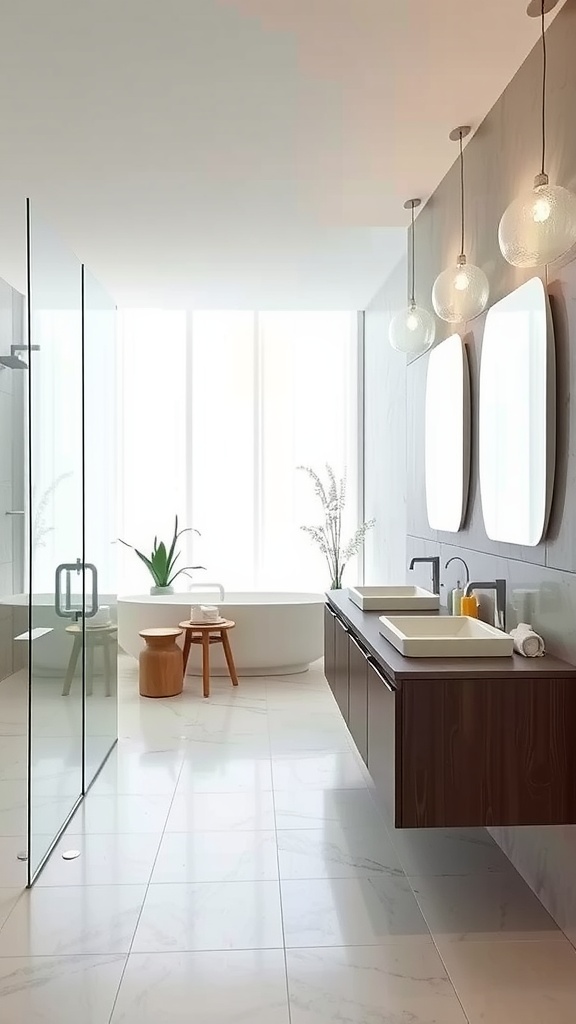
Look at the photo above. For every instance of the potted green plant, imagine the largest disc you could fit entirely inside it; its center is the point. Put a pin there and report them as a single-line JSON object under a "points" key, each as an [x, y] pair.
{"points": [[162, 561], [328, 535]]}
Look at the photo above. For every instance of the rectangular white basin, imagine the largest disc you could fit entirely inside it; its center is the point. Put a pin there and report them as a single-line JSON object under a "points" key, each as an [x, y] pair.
{"points": [[394, 599], [445, 636]]}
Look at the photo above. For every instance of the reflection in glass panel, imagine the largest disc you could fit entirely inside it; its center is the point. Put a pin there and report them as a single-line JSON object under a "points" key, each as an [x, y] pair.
{"points": [[447, 437], [13, 600], [56, 585], [517, 416], [100, 523]]}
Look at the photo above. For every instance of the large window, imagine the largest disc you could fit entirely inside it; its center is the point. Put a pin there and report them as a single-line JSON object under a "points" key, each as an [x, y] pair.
{"points": [[217, 411]]}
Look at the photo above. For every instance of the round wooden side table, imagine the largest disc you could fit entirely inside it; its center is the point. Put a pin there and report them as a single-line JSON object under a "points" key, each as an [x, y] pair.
{"points": [[207, 633], [160, 663]]}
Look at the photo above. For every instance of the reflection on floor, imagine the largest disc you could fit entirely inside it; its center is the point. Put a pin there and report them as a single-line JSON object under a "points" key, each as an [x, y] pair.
{"points": [[56, 757], [235, 867]]}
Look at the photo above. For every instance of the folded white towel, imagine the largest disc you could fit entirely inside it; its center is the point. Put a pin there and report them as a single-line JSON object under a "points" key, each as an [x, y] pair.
{"points": [[204, 613], [527, 642], [210, 613]]}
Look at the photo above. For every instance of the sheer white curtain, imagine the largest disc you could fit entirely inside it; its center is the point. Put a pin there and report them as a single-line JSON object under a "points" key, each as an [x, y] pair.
{"points": [[217, 411]]}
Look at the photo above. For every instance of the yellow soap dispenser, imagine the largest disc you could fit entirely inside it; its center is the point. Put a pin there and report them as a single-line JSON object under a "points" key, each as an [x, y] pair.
{"points": [[469, 606]]}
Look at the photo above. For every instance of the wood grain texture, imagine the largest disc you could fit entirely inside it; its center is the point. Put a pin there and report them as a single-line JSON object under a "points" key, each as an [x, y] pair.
{"points": [[488, 752], [341, 669], [329, 646], [358, 698], [384, 746]]}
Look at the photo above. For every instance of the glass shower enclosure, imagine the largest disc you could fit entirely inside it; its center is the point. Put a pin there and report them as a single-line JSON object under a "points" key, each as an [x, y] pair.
{"points": [[69, 554]]}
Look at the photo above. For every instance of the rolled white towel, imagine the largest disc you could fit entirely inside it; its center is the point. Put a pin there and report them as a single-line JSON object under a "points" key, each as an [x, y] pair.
{"points": [[527, 642]]}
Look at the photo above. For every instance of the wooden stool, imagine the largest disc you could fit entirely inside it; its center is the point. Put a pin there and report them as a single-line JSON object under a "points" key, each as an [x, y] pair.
{"points": [[160, 663], [96, 636], [209, 633]]}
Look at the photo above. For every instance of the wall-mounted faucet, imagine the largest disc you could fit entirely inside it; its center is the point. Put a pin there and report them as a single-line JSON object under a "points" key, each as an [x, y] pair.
{"points": [[456, 558], [435, 563], [499, 586]]}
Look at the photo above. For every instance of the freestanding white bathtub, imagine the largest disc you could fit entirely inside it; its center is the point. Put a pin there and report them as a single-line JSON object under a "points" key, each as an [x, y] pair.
{"points": [[53, 646], [275, 634]]}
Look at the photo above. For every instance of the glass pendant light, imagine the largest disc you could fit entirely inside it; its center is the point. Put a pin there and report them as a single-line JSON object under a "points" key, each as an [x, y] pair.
{"points": [[413, 329], [461, 292], [539, 227]]}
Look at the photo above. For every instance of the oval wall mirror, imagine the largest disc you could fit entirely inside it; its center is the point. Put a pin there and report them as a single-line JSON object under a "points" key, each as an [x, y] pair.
{"points": [[447, 439], [517, 433]]}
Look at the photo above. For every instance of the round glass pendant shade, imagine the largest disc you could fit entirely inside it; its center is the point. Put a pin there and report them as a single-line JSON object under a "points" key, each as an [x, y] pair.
{"points": [[412, 330], [460, 293], [539, 227]]}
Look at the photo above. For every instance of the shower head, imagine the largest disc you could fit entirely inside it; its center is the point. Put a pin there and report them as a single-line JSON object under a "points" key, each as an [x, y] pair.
{"points": [[13, 362]]}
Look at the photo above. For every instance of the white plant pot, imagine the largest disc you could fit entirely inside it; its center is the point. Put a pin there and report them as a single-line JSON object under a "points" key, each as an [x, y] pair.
{"points": [[158, 591]]}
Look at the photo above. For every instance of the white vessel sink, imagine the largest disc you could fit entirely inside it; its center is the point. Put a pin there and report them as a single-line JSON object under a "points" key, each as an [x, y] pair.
{"points": [[394, 599], [445, 636]]}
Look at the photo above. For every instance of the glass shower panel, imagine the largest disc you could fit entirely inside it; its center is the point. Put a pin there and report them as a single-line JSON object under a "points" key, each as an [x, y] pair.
{"points": [[13, 600], [100, 523], [56, 537]]}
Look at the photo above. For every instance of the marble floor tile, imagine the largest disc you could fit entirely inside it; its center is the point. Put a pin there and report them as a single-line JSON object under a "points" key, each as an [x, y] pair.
{"points": [[313, 808], [12, 870], [59, 990], [371, 985], [55, 921], [229, 987], [217, 857], [13, 758], [333, 852], [124, 859], [222, 812], [210, 915], [143, 772], [513, 982], [448, 851], [351, 912], [221, 724], [311, 770], [102, 814], [8, 900], [225, 775], [490, 906]]}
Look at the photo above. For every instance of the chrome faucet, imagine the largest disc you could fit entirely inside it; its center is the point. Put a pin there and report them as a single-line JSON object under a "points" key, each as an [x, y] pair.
{"points": [[499, 586], [435, 563]]}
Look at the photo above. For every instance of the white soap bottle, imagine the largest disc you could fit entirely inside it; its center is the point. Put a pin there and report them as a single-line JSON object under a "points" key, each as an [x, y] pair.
{"points": [[454, 598]]}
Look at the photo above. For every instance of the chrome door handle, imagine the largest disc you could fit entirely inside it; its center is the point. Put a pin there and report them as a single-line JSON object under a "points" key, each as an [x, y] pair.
{"points": [[381, 677], [65, 609], [15, 512], [364, 654], [90, 610]]}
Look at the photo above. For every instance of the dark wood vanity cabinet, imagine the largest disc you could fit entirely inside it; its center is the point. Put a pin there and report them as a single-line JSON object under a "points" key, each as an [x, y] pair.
{"points": [[329, 643], [382, 764], [358, 695], [341, 667], [452, 743]]}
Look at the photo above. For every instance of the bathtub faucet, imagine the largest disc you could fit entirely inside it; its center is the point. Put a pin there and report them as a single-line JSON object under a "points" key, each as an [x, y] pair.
{"points": [[206, 586]]}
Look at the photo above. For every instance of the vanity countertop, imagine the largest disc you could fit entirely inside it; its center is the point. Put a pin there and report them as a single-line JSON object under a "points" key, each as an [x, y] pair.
{"points": [[367, 627]]}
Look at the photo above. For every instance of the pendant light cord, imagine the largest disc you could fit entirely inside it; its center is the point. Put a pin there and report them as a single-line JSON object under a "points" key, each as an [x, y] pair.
{"points": [[461, 196], [413, 275], [544, 73]]}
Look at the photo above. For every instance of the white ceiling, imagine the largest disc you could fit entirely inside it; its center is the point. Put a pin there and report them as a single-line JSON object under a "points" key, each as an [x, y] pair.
{"points": [[239, 153]]}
